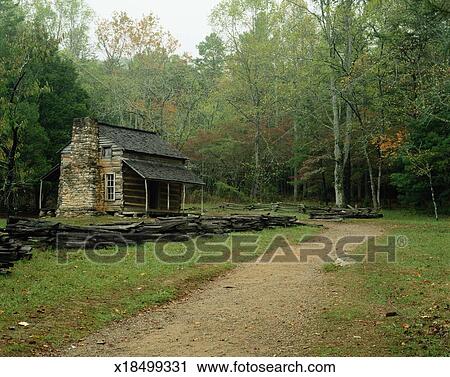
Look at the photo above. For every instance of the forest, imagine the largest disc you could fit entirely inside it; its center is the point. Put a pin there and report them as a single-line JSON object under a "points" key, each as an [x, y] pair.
{"points": [[336, 101]]}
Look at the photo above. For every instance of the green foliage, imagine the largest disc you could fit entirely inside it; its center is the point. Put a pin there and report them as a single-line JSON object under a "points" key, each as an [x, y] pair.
{"points": [[64, 101], [212, 57], [425, 156], [67, 22], [24, 49], [229, 192], [39, 97], [274, 90]]}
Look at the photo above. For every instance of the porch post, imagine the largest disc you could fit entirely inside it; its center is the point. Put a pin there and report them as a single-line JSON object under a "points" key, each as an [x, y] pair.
{"points": [[40, 195], [168, 196], [183, 205], [203, 204], [146, 197]]}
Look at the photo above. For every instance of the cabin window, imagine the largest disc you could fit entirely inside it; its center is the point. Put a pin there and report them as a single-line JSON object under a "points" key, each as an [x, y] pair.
{"points": [[110, 187], [106, 152]]}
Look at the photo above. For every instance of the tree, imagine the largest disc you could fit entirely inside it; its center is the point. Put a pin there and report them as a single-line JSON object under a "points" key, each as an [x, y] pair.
{"points": [[139, 76], [23, 49], [248, 27], [212, 57], [39, 97], [66, 21], [302, 85], [409, 91], [122, 38], [424, 154], [60, 104]]}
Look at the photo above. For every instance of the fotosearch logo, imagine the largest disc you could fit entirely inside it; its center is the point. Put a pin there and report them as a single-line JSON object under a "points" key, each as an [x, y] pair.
{"points": [[250, 248], [246, 249]]}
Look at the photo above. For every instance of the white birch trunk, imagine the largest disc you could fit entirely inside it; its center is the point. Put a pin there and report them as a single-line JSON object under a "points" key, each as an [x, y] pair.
{"points": [[371, 177], [338, 156]]}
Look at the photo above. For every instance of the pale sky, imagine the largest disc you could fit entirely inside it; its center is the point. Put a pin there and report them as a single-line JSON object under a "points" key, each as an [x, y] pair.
{"points": [[187, 20]]}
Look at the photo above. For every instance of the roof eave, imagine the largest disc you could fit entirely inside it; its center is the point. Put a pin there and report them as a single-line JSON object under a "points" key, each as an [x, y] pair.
{"points": [[162, 180], [53, 170]]}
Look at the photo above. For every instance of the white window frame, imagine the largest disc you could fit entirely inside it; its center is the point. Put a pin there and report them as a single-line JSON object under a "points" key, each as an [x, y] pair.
{"points": [[107, 199]]}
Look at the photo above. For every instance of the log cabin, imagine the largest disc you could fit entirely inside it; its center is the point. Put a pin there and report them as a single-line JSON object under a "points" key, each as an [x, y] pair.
{"points": [[116, 170]]}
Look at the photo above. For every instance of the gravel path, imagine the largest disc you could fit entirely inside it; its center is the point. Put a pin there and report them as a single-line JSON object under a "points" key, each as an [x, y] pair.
{"points": [[255, 310]]}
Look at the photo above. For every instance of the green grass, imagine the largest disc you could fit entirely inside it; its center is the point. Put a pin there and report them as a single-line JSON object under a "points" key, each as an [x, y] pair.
{"points": [[330, 267], [2, 223], [416, 288], [64, 302]]}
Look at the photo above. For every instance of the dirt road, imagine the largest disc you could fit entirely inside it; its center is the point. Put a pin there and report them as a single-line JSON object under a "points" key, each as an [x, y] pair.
{"points": [[256, 310]]}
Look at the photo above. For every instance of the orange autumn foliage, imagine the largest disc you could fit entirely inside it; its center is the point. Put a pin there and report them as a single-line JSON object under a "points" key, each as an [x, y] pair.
{"points": [[390, 145]]}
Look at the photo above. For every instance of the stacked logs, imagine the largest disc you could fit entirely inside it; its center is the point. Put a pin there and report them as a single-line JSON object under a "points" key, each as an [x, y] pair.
{"points": [[264, 207], [315, 213], [225, 224], [339, 214], [173, 229], [11, 251]]}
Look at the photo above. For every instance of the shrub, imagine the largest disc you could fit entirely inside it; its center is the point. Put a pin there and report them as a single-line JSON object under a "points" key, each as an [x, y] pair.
{"points": [[228, 192]]}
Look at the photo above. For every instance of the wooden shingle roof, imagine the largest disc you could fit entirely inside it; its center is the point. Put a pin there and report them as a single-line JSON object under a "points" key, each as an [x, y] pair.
{"points": [[160, 171], [139, 141]]}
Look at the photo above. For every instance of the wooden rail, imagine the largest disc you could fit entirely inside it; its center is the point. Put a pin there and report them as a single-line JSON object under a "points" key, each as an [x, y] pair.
{"points": [[172, 228]]}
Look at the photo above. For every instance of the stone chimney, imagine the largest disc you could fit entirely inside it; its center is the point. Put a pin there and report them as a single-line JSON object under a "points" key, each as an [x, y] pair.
{"points": [[79, 170]]}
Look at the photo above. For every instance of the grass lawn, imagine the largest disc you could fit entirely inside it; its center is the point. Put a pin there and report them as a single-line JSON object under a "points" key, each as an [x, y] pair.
{"points": [[416, 288], [63, 303], [2, 223]]}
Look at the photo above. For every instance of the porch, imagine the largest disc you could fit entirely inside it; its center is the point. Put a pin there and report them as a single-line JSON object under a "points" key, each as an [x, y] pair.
{"points": [[156, 188]]}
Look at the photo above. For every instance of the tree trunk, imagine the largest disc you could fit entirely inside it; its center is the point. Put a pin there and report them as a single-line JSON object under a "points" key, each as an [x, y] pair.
{"points": [[379, 182], [295, 184], [296, 168], [256, 182], [338, 157], [433, 197], [348, 108], [339, 185], [11, 172], [372, 181], [348, 195]]}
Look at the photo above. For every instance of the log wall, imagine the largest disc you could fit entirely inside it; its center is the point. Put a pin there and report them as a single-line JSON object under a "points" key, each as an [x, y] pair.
{"points": [[133, 191], [107, 166]]}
